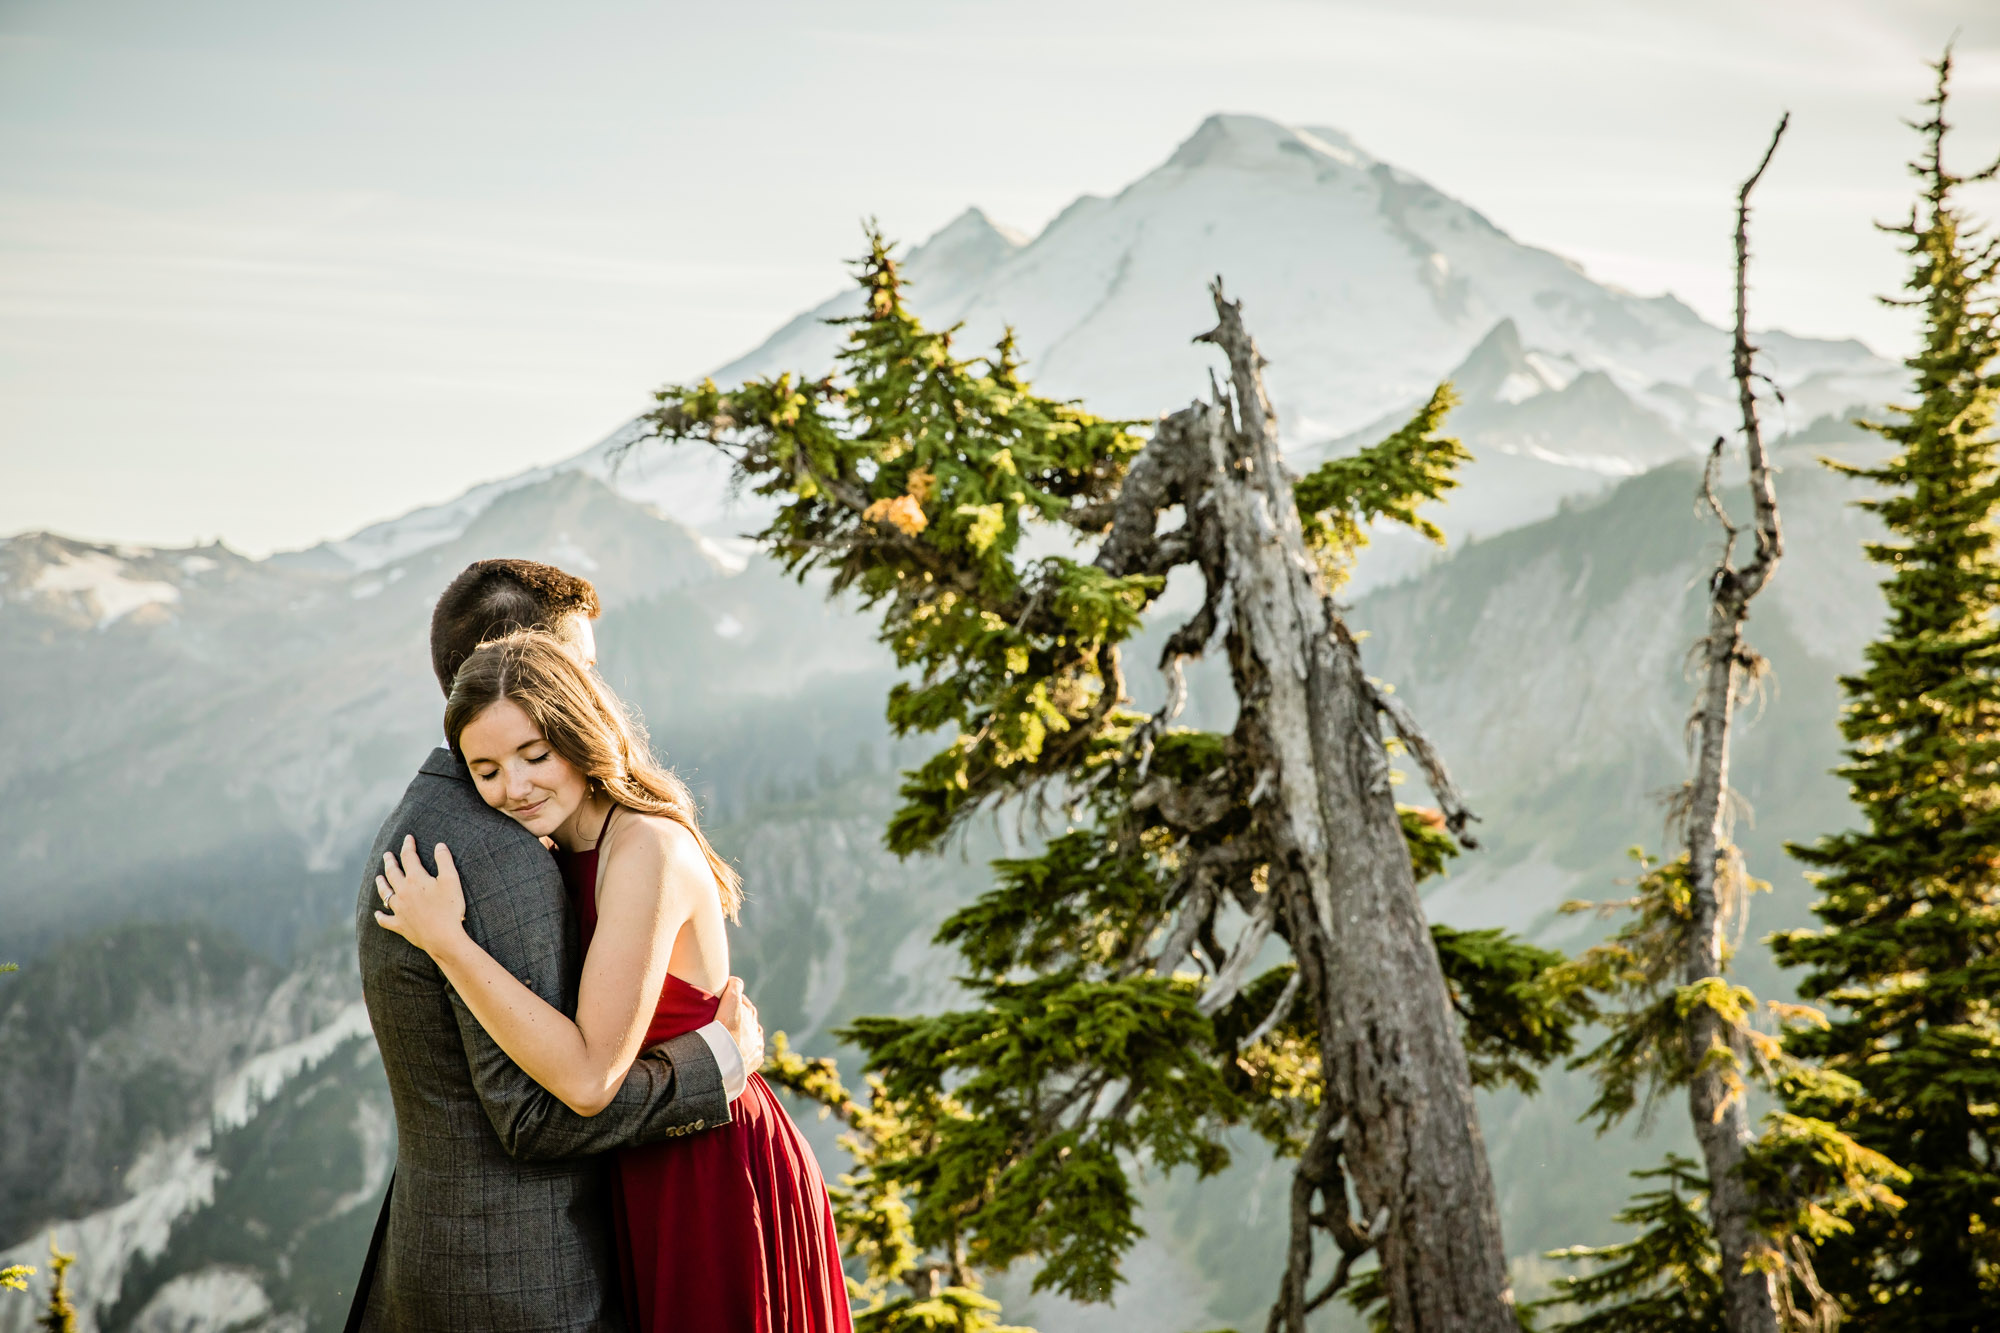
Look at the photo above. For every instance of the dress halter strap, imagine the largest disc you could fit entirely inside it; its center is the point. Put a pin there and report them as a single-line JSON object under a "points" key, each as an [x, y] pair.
{"points": [[604, 828]]}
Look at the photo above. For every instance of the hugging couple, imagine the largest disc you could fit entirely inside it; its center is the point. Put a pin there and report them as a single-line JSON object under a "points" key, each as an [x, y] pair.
{"points": [[583, 1142]]}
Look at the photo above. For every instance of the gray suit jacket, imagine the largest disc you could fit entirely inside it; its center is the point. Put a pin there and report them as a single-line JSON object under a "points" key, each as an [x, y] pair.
{"points": [[500, 1217]]}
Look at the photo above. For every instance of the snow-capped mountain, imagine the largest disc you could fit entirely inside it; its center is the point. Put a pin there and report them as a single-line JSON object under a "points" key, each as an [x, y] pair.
{"points": [[1364, 285]]}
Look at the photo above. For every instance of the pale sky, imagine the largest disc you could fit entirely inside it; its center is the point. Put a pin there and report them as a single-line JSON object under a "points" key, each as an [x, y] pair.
{"points": [[272, 271]]}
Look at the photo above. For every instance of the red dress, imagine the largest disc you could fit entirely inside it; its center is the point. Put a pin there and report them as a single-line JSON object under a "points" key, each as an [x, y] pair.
{"points": [[728, 1230]]}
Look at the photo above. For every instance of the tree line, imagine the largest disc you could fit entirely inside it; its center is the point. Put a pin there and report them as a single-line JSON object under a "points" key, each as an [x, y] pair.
{"points": [[1120, 1002]]}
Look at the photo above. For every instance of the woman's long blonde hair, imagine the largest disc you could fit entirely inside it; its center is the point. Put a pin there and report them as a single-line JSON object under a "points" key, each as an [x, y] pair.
{"points": [[584, 722]]}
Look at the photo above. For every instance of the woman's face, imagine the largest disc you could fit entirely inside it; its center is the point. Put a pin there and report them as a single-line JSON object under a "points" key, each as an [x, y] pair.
{"points": [[517, 771]]}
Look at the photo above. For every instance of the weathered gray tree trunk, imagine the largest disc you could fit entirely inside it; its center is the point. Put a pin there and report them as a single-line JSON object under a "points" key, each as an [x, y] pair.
{"points": [[1751, 1295], [1397, 1123]]}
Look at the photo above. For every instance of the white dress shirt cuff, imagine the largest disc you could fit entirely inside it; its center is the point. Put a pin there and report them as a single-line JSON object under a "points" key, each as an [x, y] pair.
{"points": [[727, 1057]]}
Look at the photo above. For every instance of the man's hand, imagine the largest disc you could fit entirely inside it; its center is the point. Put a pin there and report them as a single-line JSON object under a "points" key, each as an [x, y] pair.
{"points": [[740, 1016]]}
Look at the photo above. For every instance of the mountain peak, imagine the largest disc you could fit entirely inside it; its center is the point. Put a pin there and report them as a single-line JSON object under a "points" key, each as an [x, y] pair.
{"points": [[1228, 139], [974, 225], [1501, 370], [969, 243], [1488, 365]]}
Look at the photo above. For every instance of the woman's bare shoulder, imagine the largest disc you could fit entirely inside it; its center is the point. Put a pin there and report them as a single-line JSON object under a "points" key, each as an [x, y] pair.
{"points": [[650, 859], [659, 841]]}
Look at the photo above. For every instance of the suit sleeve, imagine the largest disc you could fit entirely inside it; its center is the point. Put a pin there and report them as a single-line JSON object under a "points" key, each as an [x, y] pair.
{"points": [[515, 910]]}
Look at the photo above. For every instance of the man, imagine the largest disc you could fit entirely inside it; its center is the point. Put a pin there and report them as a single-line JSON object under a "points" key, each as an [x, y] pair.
{"points": [[499, 1215]]}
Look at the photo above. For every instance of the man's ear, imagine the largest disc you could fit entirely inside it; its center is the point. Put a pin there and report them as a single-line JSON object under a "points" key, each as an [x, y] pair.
{"points": [[580, 637]]}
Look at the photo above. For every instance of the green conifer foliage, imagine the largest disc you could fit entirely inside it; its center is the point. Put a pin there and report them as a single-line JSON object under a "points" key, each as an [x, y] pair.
{"points": [[1813, 1181], [1908, 954], [905, 1290], [1342, 496], [1006, 1129], [1663, 1281]]}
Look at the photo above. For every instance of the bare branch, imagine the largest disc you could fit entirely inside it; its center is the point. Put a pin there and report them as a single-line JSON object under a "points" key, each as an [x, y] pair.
{"points": [[1235, 971], [1257, 422], [1200, 902], [1710, 470], [1200, 886], [1276, 1016], [1450, 799], [1770, 538], [1152, 484]]}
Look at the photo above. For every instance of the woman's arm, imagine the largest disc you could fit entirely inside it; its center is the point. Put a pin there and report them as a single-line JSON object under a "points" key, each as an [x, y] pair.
{"points": [[641, 905]]}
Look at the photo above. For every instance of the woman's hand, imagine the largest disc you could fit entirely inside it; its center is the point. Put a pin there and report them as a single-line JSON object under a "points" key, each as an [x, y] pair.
{"points": [[427, 910]]}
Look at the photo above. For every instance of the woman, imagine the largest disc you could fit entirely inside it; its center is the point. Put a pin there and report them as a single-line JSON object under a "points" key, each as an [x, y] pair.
{"points": [[726, 1231]]}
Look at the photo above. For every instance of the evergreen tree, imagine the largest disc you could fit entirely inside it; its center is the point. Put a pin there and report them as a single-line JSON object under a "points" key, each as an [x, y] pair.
{"points": [[1908, 953], [1110, 1018], [904, 1288], [1667, 1279]]}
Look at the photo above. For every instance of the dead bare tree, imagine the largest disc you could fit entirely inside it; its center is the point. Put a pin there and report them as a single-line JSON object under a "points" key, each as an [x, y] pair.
{"points": [[1752, 1294], [1394, 1162]]}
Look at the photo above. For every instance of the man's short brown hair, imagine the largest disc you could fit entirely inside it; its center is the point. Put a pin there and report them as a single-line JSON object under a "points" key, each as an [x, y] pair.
{"points": [[492, 598]]}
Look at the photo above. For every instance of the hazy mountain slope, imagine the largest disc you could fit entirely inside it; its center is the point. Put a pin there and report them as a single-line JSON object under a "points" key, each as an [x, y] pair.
{"points": [[1542, 431], [211, 1117], [1552, 657]]}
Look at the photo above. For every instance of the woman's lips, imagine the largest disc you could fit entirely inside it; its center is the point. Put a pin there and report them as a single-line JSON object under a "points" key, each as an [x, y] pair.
{"points": [[528, 811]]}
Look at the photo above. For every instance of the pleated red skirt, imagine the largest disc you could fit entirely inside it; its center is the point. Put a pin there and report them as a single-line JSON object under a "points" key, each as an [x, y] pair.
{"points": [[728, 1230]]}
